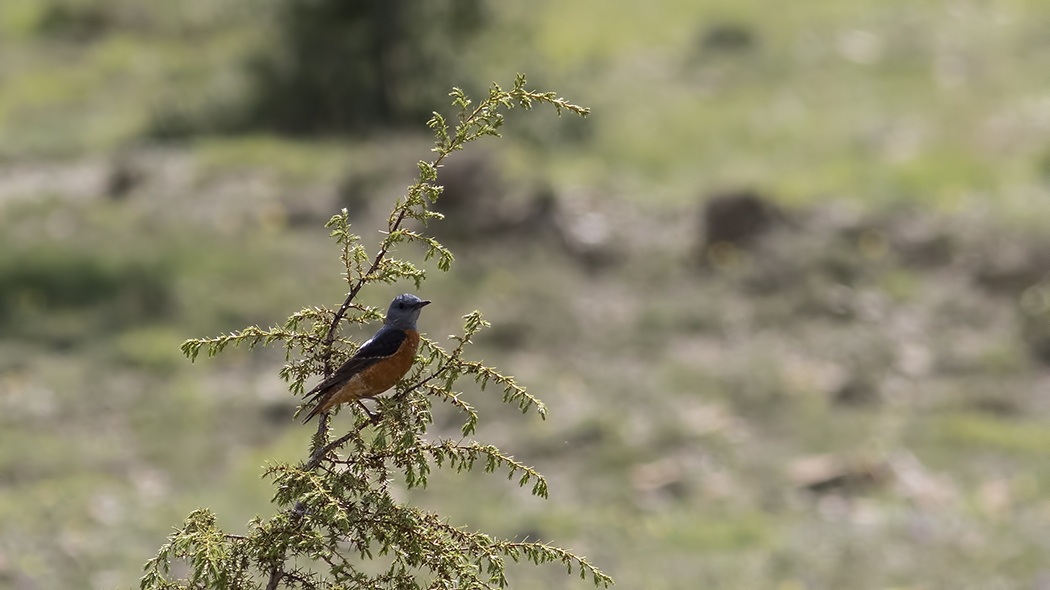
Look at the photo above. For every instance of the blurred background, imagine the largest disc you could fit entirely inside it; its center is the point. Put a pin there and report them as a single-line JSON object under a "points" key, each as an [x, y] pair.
{"points": [[785, 290]]}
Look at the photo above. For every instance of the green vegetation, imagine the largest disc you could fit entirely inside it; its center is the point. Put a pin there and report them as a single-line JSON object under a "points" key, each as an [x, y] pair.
{"points": [[854, 401]]}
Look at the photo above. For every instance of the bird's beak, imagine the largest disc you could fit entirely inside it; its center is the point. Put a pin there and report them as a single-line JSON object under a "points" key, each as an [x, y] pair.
{"points": [[424, 303]]}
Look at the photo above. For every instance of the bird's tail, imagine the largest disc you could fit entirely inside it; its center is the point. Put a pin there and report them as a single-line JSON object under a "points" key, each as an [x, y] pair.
{"points": [[313, 412], [316, 397]]}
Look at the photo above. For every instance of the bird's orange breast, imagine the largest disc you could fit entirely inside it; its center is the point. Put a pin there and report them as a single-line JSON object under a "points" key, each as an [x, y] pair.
{"points": [[379, 377]]}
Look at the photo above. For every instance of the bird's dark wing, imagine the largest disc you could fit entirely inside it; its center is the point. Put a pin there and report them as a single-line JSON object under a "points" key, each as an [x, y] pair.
{"points": [[385, 343]]}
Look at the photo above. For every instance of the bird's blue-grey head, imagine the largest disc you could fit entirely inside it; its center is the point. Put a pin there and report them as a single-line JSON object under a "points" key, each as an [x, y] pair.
{"points": [[404, 311]]}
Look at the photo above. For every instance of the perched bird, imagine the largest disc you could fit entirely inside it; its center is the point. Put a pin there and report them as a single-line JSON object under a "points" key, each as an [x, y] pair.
{"points": [[378, 364]]}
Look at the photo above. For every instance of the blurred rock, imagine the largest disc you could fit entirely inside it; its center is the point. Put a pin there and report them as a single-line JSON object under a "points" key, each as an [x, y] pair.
{"points": [[508, 335], [1010, 268], [835, 473], [914, 481], [310, 206], [736, 217], [531, 534], [655, 475], [1034, 317], [923, 245], [857, 392], [590, 229], [124, 177], [278, 412], [472, 186], [78, 181], [665, 476], [731, 221], [727, 37], [356, 191], [1000, 406], [479, 204]]}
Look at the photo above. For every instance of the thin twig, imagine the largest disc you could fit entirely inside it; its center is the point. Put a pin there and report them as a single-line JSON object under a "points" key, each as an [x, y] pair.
{"points": [[320, 454], [421, 383], [360, 282]]}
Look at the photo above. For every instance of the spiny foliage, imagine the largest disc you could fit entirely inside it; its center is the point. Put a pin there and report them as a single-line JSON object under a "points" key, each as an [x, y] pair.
{"points": [[338, 524]]}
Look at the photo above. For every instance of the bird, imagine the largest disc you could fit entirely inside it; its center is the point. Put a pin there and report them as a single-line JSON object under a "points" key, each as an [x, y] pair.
{"points": [[380, 362]]}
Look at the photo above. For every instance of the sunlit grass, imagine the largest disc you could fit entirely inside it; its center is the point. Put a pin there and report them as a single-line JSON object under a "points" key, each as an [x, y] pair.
{"points": [[880, 103], [986, 434]]}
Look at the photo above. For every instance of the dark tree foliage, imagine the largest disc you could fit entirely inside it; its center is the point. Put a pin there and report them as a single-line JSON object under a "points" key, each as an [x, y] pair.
{"points": [[349, 66]]}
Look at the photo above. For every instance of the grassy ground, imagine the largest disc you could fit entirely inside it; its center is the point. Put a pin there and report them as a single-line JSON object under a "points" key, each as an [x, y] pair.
{"points": [[856, 401]]}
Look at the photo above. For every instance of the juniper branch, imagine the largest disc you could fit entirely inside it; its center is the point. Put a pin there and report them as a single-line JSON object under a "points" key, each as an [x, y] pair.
{"points": [[330, 506]]}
